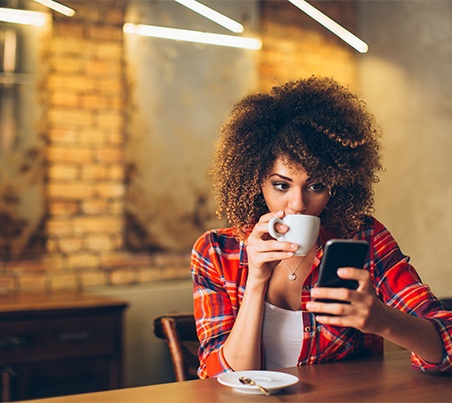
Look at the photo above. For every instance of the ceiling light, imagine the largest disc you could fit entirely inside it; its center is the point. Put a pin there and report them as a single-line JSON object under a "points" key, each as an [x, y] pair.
{"points": [[333, 26], [212, 15], [69, 12], [22, 16], [193, 36]]}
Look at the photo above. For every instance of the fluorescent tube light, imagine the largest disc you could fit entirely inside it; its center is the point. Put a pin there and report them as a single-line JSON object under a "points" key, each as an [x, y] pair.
{"points": [[192, 36], [333, 26], [69, 12], [22, 17], [212, 15]]}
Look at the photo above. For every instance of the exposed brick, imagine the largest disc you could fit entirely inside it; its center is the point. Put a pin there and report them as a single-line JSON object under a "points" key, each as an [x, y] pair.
{"points": [[112, 189], [9, 284], [94, 224], [104, 32], [69, 154], [123, 276], [70, 245], [83, 260], [76, 83], [115, 172], [64, 208], [71, 190], [116, 138], [111, 119], [99, 242], [63, 171], [110, 51], [68, 280], [93, 278], [64, 98], [34, 283], [94, 101], [110, 154], [85, 95], [123, 259], [60, 227], [93, 136], [62, 135], [95, 206], [94, 172], [77, 117]]}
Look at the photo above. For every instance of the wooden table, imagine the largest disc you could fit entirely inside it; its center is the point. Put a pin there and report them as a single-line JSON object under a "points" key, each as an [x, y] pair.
{"points": [[54, 344], [375, 379]]}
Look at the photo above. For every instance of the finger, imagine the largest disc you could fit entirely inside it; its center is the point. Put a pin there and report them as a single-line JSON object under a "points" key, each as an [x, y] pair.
{"points": [[333, 320], [362, 276], [328, 308], [338, 294], [352, 273], [266, 217]]}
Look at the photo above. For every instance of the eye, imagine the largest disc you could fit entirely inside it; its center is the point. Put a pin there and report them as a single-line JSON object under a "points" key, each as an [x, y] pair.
{"points": [[317, 187], [281, 186]]}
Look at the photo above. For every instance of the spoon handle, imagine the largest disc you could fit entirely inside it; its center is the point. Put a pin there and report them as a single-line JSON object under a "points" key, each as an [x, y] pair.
{"points": [[261, 388]]}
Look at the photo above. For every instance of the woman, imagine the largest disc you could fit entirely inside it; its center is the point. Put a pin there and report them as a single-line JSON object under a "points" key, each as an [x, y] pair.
{"points": [[307, 147]]}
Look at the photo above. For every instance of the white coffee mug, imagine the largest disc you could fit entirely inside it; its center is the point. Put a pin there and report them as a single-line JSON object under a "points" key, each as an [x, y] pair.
{"points": [[303, 230]]}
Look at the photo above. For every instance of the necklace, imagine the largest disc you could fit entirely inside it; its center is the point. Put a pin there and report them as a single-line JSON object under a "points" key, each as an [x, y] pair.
{"points": [[292, 276]]}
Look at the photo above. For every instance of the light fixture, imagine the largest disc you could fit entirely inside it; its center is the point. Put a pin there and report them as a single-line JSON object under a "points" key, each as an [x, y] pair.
{"points": [[192, 36], [333, 26], [212, 15], [23, 17], [69, 12]]}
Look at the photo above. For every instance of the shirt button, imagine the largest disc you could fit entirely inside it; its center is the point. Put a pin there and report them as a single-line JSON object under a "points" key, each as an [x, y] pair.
{"points": [[307, 329], [306, 288]]}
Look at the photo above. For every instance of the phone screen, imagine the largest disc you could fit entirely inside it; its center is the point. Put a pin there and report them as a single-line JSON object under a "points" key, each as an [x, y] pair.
{"points": [[341, 253]]}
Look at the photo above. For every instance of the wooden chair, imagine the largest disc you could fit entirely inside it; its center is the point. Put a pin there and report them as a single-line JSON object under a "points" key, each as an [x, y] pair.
{"points": [[447, 302], [179, 332]]}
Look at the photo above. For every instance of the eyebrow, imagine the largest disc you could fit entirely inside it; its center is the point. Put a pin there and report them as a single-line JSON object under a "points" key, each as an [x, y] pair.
{"points": [[282, 177]]}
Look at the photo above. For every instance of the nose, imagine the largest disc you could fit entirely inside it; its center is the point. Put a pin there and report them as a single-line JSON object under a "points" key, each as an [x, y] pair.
{"points": [[297, 203]]}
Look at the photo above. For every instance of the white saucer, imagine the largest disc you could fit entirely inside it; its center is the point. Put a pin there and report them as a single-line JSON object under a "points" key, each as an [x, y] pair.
{"points": [[270, 380]]}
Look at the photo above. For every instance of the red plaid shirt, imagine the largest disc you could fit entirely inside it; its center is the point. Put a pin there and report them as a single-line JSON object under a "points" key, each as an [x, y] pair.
{"points": [[219, 270]]}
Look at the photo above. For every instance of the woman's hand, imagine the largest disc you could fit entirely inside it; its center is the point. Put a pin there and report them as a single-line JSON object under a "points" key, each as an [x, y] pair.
{"points": [[362, 309], [263, 250], [365, 312]]}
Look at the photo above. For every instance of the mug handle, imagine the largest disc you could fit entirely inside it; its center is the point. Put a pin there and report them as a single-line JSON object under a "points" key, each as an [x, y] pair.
{"points": [[271, 227]]}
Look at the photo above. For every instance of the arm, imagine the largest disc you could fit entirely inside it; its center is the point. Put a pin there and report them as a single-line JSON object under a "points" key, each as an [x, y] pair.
{"points": [[370, 315], [405, 311], [231, 337]]}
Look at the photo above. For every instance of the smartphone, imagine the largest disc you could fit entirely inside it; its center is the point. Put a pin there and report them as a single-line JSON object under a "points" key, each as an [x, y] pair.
{"points": [[341, 253]]}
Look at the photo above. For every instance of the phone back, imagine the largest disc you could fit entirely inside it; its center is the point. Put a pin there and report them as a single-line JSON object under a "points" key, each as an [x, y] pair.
{"points": [[341, 253]]}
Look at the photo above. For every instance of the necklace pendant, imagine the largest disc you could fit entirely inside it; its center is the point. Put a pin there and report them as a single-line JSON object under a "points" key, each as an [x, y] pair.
{"points": [[292, 276]]}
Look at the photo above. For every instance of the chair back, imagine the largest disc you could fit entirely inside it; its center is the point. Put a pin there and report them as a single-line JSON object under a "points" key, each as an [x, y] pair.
{"points": [[447, 302], [179, 332]]}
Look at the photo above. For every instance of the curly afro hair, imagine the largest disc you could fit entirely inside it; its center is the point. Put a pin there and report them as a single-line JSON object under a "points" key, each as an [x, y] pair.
{"points": [[315, 122]]}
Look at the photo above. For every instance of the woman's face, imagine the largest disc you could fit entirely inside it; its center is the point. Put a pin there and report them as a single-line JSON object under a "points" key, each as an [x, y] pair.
{"points": [[289, 189]]}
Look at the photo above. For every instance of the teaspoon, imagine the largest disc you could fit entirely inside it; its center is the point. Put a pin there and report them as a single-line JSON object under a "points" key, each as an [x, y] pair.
{"points": [[248, 381]]}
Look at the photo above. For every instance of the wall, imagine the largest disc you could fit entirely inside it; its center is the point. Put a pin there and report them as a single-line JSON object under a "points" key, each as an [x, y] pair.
{"points": [[146, 359], [91, 128], [405, 78], [87, 95], [296, 46], [179, 94]]}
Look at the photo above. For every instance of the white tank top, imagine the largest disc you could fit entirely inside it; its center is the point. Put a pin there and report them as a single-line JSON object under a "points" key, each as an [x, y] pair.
{"points": [[282, 336]]}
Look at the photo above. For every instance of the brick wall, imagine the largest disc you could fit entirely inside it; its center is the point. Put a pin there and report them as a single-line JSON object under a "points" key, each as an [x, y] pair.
{"points": [[296, 46], [85, 91]]}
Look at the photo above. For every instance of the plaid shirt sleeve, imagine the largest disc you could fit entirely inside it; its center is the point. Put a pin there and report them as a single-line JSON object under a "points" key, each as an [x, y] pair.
{"points": [[398, 285], [218, 282]]}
